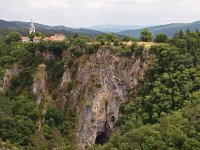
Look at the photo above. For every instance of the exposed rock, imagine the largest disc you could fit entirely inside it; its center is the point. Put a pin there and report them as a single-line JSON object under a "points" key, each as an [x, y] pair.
{"points": [[66, 78], [47, 55], [102, 85], [39, 84], [9, 74]]}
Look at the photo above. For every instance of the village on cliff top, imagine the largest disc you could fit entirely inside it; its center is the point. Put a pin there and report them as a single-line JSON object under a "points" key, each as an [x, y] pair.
{"points": [[32, 30]]}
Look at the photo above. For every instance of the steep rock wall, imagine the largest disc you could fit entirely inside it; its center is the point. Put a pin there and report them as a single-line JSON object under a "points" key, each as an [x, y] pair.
{"points": [[39, 83], [101, 85], [9, 74]]}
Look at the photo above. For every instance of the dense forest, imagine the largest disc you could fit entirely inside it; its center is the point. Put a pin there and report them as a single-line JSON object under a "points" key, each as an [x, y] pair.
{"points": [[163, 113]]}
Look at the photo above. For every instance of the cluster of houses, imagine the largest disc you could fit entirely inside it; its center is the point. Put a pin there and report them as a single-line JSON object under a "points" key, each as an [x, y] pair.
{"points": [[56, 37]]}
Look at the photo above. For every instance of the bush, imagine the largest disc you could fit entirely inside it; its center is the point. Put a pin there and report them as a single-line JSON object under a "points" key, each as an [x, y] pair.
{"points": [[134, 46], [54, 114], [146, 36], [69, 87], [43, 46], [91, 49], [102, 42], [126, 52], [116, 43], [76, 50], [13, 37], [80, 41], [140, 50], [161, 38], [98, 85], [126, 39]]}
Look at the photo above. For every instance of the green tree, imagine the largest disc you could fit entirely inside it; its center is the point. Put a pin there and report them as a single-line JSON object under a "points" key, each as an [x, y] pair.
{"points": [[181, 34], [111, 37], [31, 36], [161, 38], [146, 35], [54, 114], [13, 37], [126, 39]]}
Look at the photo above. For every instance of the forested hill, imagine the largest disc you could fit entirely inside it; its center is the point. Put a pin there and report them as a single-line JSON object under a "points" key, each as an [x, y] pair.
{"points": [[22, 27], [101, 94], [168, 29]]}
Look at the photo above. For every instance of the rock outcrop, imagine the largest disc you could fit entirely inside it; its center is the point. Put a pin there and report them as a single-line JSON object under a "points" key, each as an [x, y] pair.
{"points": [[39, 86], [9, 74], [100, 86], [47, 55]]}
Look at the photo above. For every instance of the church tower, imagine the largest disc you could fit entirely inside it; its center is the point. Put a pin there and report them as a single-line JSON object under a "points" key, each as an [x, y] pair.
{"points": [[31, 28]]}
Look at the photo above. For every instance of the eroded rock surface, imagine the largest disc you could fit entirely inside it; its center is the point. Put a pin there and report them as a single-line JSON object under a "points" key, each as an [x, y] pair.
{"points": [[9, 74], [39, 83], [101, 85]]}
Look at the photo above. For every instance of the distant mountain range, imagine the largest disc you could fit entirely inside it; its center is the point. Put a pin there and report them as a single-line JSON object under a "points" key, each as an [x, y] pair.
{"points": [[22, 27], [114, 28], [124, 30], [168, 29]]}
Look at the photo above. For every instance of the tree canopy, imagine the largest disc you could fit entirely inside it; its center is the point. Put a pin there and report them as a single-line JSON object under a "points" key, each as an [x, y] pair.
{"points": [[146, 35], [13, 37]]}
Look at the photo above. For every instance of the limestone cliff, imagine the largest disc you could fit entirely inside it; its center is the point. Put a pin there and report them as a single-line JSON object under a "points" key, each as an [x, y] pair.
{"points": [[9, 74], [39, 84], [100, 85]]}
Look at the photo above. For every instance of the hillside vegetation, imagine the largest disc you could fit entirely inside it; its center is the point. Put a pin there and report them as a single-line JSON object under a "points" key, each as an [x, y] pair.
{"points": [[161, 113], [168, 29], [7, 27], [164, 113]]}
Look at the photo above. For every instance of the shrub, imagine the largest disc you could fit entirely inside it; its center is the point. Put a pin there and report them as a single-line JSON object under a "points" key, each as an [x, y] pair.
{"points": [[69, 87], [91, 49], [98, 85], [126, 52], [13, 37], [140, 50], [116, 43], [126, 39], [76, 50], [146, 36], [55, 114], [102, 42], [161, 38]]}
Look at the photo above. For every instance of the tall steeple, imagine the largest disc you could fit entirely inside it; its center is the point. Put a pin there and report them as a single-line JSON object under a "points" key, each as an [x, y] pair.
{"points": [[31, 28]]}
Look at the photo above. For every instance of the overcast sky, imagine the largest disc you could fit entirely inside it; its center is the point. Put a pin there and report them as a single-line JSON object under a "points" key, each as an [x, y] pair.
{"points": [[93, 12]]}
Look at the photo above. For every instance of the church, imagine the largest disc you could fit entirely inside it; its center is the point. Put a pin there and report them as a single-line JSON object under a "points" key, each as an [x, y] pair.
{"points": [[32, 30], [32, 27]]}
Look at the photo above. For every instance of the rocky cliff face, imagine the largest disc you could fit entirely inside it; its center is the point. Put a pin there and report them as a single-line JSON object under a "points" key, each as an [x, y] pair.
{"points": [[39, 86], [96, 87], [9, 74], [100, 85]]}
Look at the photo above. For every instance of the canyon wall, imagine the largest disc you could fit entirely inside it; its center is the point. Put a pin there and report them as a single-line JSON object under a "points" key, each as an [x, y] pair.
{"points": [[100, 85]]}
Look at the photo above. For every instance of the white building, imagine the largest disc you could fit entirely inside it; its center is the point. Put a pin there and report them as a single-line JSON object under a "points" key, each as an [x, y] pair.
{"points": [[32, 27]]}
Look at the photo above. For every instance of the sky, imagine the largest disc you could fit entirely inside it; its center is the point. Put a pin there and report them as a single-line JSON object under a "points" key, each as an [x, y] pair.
{"points": [[83, 13]]}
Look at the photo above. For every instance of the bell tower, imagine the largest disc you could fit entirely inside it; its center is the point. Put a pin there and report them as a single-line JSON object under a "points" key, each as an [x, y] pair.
{"points": [[32, 27]]}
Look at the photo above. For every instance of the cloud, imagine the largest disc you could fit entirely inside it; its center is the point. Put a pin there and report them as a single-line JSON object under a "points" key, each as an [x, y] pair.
{"points": [[90, 12]]}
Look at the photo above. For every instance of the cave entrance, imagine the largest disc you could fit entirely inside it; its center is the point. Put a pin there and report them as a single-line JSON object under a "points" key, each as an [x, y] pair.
{"points": [[104, 136]]}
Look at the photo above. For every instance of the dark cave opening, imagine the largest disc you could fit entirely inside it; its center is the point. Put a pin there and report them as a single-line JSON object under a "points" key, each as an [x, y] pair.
{"points": [[104, 136]]}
